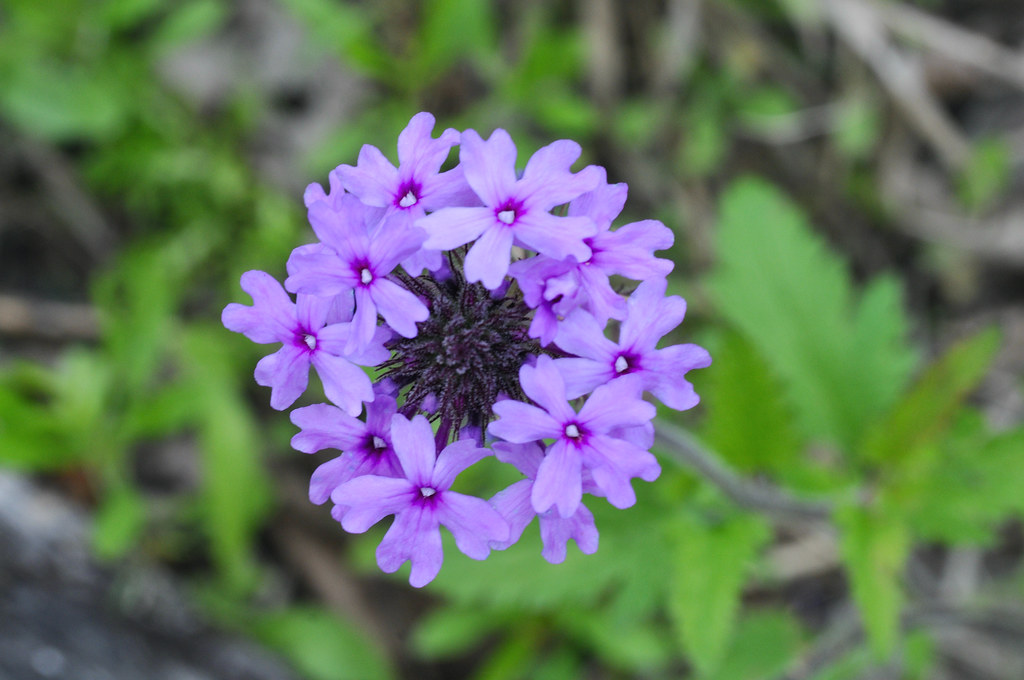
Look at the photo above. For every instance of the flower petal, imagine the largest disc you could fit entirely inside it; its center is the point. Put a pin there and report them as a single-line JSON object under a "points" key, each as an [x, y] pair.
{"points": [[543, 383], [414, 536], [374, 180], [455, 458], [580, 334], [490, 166], [557, 237], [650, 315], [488, 259], [400, 308], [667, 368], [555, 532], [271, 318], [558, 480], [345, 384], [413, 442], [473, 523], [583, 375], [617, 404], [513, 504], [286, 373], [521, 423], [371, 498], [525, 457], [324, 426], [450, 228]]}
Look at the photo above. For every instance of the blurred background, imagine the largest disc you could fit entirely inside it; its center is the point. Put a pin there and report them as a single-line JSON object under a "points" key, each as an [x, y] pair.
{"points": [[843, 178]]}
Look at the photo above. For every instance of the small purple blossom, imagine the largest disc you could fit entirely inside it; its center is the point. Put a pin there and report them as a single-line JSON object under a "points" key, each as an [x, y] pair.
{"points": [[582, 441], [515, 211], [600, 361], [306, 341], [514, 505], [422, 502], [557, 287], [365, 446], [353, 261], [415, 187]]}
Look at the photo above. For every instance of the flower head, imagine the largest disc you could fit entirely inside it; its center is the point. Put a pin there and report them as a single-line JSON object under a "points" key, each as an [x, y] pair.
{"points": [[478, 298]]}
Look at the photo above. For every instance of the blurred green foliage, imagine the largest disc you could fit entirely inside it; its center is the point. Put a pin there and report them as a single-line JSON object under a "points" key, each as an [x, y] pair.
{"points": [[815, 383]]}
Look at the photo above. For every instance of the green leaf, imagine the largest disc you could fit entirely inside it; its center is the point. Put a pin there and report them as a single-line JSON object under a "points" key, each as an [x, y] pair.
{"points": [[747, 420], [189, 22], [62, 101], [119, 522], [452, 630], [322, 646], [967, 492], [236, 490], [712, 562], [472, 21], [763, 646], [874, 546], [925, 412], [842, 362]]}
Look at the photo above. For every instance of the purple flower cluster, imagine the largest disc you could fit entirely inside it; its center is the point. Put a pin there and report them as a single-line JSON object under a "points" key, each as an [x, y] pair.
{"points": [[461, 315]]}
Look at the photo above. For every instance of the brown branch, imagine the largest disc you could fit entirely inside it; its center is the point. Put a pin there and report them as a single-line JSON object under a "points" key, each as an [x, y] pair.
{"points": [[683, 448], [27, 317]]}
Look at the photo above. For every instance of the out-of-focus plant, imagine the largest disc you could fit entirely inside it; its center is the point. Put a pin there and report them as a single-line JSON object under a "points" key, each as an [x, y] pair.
{"points": [[816, 386]]}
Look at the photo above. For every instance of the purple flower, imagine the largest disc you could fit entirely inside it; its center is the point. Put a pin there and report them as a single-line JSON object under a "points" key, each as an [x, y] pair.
{"points": [[600, 361], [514, 505], [353, 261], [306, 340], [365, 446], [515, 211], [557, 287], [582, 441], [412, 189], [421, 501]]}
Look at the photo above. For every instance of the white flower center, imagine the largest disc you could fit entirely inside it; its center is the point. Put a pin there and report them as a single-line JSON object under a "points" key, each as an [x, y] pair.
{"points": [[365, 275], [408, 199], [572, 431], [427, 492], [378, 443], [507, 216], [310, 340], [621, 364]]}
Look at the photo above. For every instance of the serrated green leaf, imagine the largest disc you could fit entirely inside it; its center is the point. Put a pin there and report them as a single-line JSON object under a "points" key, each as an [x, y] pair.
{"points": [[747, 420], [779, 285], [322, 646], [925, 412], [711, 563], [874, 546], [968, 491]]}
